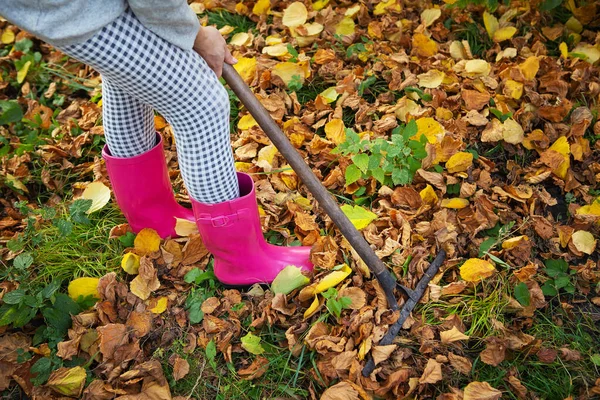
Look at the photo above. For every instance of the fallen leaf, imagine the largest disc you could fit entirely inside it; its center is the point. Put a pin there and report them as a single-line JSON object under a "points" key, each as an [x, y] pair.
{"points": [[83, 287], [453, 335], [99, 193], [251, 343], [332, 279], [67, 381], [359, 216], [584, 241], [161, 305], [476, 269], [288, 279], [432, 372], [481, 391], [294, 15], [341, 391], [147, 241], [131, 263]]}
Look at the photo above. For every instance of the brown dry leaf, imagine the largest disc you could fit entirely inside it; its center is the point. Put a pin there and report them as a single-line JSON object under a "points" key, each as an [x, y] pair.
{"points": [[432, 372], [258, 368], [147, 280], [481, 391], [461, 364], [181, 367], [112, 336], [453, 335], [341, 391], [494, 352], [140, 323], [381, 353]]}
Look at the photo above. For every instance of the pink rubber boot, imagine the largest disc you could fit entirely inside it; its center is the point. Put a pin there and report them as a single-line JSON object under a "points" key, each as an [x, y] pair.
{"points": [[143, 190], [231, 232]]}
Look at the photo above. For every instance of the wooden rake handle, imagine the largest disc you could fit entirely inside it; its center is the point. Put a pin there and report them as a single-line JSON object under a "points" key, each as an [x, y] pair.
{"points": [[325, 199]]}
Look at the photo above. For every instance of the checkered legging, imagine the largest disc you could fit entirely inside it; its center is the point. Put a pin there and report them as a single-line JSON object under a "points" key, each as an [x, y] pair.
{"points": [[141, 73]]}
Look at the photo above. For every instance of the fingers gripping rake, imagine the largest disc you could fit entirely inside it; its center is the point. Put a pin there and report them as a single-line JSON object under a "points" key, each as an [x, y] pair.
{"points": [[326, 201]]}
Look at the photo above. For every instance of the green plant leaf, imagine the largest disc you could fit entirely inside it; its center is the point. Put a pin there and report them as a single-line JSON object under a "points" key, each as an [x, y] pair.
{"points": [[14, 297], [251, 343], [127, 239], [486, 245], [11, 112], [556, 267], [64, 227], [379, 174], [23, 261], [550, 5], [595, 358], [359, 216], [522, 294], [288, 279], [548, 288], [361, 161], [562, 281], [42, 370], [352, 174]]}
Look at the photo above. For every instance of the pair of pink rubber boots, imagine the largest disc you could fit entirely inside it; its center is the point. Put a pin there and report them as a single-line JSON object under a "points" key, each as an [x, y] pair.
{"points": [[230, 230]]}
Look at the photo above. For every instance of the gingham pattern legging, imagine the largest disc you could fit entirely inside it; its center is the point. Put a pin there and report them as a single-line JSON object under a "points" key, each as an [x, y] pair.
{"points": [[142, 72]]}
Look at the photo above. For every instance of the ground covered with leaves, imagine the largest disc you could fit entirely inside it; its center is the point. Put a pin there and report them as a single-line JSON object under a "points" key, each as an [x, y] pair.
{"points": [[468, 126]]}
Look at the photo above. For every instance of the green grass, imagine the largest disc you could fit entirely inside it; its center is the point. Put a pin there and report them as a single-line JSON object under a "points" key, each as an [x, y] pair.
{"points": [[476, 36], [222, 18], [87, 251], [477, 309], [286, 377], [311, 89]]}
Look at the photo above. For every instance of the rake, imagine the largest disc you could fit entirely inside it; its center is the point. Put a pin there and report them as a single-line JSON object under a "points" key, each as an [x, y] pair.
{"points": [[326, 201]]}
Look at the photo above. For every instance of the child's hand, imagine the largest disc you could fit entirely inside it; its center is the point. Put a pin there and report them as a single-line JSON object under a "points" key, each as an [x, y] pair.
{"points": [[212, 47]]}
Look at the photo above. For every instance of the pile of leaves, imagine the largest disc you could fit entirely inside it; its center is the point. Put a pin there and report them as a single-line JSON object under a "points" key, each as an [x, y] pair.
{"points": [[470, 126]]}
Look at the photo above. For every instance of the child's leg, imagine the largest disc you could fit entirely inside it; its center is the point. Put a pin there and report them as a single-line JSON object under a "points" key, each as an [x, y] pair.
{"points": [[181, 86], [128, 123]]}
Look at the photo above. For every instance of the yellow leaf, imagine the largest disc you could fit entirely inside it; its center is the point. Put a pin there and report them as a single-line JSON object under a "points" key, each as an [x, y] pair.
{"points": [[287, 71], [226, 30], [330, 94], [147, 241], [8, 36], [273, 39], [476, 269], [131, 263], [457, 50], [359, 216], [161, 305], [335, 131], [313, 307], [429, 127], [320, 4], [564, 50], [591, 53], [406, 107], [481, 391], [574, 25], [246, 67], [384, 6], [428, 195], [267, 154], [68, 381], [15, 183], [453, 335], [505, 33], [513, 242], [424, 46], [431, 79], [345, 27], [294, 15], [277, 50], [512, 132], [246, 122], [261, 7], [99, 193], [459, 162], [83, 287], [530, 67], [430, 15], [22, 73], [562, 146], [515, 89], [455, 203], [584, 241], [491, 24], [591, 209], [333, 279], [477, 68], [241, 39], [185, 227]]}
